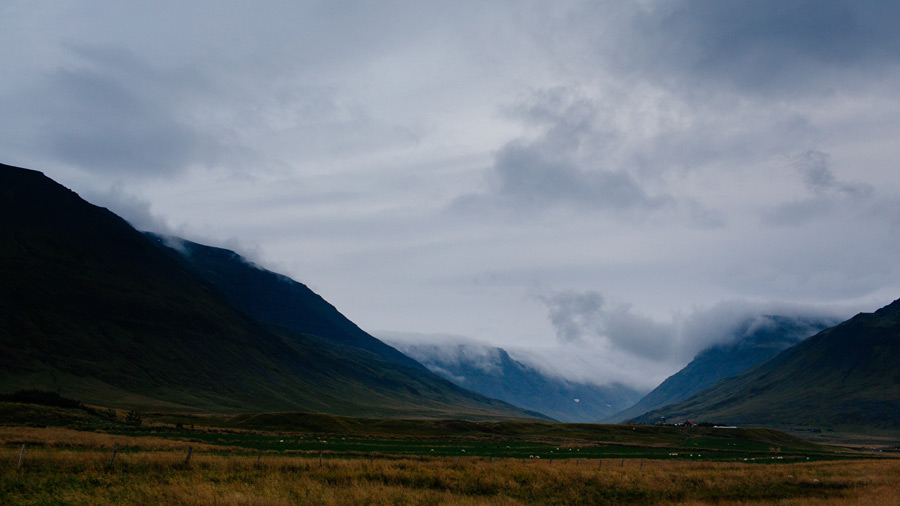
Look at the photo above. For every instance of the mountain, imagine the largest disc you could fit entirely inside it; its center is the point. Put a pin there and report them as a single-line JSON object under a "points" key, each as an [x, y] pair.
{"points": [[273, 298], [492, 372], [752, 342], [843, 378], [95, 310]]}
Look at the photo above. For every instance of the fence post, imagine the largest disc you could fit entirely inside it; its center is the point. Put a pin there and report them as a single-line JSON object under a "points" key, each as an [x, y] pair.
{"points": [[372, 459], [622, 464], [642, 464], [457, 460], [113, 457], [600, 464], [320, 459], [21, 454], [258, 457], [187, 460]]}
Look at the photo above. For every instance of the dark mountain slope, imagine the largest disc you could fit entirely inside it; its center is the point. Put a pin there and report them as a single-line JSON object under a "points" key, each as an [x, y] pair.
{"points": [[275, 299], [844, 377], [95, 310], [754, 341]]}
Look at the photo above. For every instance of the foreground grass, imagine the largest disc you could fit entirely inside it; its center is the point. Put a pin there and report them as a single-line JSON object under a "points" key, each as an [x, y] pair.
{"points": [[50, 476]]}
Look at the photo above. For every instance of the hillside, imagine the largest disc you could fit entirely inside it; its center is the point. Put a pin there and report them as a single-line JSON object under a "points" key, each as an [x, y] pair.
{"points": [[492, 372], [275, 299], [751, 343], [97, 311], [845, 377]]}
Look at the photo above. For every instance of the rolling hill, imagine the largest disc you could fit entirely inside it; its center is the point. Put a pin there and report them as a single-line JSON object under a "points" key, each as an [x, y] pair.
{"points": [[752, 342], [843, 378], [95, 310], [492, 372]]}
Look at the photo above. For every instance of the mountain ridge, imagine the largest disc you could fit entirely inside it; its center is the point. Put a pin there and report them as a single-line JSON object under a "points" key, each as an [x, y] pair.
{"points": [[753, 341], [274, 298], [95, 310], [844, 377]]}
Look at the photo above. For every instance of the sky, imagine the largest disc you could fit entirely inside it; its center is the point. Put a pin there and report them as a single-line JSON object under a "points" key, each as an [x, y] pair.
{"points": [[604, 184]]}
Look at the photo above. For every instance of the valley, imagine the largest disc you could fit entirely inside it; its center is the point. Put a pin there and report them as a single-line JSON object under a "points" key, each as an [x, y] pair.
{"points": [[244, 460], [140, 369]]}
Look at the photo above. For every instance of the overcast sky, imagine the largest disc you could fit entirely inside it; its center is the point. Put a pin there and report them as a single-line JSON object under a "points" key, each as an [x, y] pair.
{"points": [[584, 179]]}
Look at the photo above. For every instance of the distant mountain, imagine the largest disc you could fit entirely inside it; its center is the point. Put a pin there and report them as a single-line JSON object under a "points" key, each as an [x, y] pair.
{"points": [[752, 342], [845, 377], [97, 311], [492, 372]]}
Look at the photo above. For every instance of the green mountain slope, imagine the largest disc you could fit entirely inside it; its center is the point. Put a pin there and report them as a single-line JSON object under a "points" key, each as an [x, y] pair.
{"points": [[95, 310], [754, 341], [845, 377]]}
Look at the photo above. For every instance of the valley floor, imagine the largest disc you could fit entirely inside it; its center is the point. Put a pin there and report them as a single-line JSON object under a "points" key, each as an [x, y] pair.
{"points": [[73, 467]]}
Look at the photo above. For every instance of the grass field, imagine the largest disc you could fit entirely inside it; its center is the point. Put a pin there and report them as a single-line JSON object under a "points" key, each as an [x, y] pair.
{"points": [[65, 466]]}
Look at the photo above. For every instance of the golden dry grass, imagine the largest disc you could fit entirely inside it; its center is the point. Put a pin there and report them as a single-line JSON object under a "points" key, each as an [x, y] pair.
{"points": [[57, 437], [81, 477]]}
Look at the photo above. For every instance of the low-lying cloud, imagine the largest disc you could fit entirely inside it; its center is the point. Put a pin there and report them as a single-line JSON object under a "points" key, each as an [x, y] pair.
{"points": [[437, 351], [602, 343], [586, 318]]}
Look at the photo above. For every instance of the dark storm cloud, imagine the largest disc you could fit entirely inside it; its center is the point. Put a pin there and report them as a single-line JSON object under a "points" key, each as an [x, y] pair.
{"points": [[771, 45], [110, 113]]}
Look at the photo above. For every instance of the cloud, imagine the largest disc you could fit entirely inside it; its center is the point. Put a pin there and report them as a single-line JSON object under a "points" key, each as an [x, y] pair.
{"points": [[584, 317], [582, 362], [135, 210], [570, 164], [531, 176], [438, 351], [110, 113], [728, 321], [814, 166], [828, 195], [575, 315], [601, 343], [770, 46], [139, 214], [673, 152]]}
